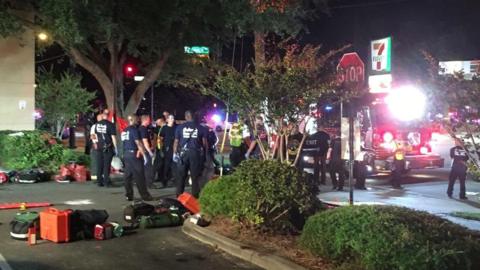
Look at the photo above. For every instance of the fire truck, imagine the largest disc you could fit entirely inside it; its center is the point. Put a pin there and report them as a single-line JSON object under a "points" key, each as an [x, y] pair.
{"points": [[387, 122]]}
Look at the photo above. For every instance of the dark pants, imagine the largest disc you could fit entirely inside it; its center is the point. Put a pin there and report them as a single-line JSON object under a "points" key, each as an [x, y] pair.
{"points": [[104, 161], [459, 172], [149, 170], [320, 169], [134, 172], [360, 173], [158, 165], [398, 169], [237, 155], [163, 166], [336, 167], [212, 152], [191, 161]]}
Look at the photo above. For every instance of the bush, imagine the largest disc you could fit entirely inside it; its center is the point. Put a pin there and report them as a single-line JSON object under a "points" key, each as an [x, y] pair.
{"points": [[387, 237], [216, 198], [34, 150], [264, 194]]}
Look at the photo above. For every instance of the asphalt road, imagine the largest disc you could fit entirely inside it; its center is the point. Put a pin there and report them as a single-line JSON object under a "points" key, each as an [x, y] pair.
{"points": [[163, 248]]}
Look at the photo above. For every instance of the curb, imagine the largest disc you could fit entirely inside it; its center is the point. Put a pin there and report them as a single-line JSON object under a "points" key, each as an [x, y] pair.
{"points": [[234, 248]]}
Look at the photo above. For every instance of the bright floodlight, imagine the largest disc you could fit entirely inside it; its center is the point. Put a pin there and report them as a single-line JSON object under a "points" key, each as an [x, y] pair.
{"points": [[42, 36], [216, 118], [406, 103]]}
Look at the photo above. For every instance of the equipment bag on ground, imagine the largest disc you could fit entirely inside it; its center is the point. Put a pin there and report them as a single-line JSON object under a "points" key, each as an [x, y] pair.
{"points": [[165, 219], [22, 222], [133, 212], [83, 222], [31, 176], [172, 205]]}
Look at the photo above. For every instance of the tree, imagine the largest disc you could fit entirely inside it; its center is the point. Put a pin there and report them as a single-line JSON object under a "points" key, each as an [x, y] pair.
{"points": [[281, 90], [101, 36], [455, 100], [61, 100]]}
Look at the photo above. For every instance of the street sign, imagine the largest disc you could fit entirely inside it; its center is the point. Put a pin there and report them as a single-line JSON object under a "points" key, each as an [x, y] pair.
{"points": [[381, 55], [380, 83], [351, 69]]}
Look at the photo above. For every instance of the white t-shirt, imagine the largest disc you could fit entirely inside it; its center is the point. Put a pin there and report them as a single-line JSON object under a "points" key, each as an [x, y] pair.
{"points": [[92, 132]]}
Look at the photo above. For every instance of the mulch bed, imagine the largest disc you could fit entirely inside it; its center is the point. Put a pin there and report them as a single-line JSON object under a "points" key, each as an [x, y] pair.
{"points": [[282, 245]]}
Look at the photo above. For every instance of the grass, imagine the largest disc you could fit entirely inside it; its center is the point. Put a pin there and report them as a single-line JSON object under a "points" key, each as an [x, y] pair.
{"points": [[467, 215]]}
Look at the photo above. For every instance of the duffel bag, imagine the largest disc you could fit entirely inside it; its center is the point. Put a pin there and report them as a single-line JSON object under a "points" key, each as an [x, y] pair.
{"points": [[165, 219], [82, 223], [172, 204], [132, 212], [22, 222], [3, 178], [31, 176]]}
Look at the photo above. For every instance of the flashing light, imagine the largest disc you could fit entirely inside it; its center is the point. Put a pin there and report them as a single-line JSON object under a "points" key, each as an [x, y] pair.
{"points": [[328, 108], [406, 103], [369, 168], [130, 70], [214, 105], [424, 150], [387, 137], [216, 118]]}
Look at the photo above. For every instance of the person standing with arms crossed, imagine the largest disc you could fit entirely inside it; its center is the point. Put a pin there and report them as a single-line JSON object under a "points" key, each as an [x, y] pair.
{"points": [[459, 169], [105, 132], [134, 156], [189, 151], [146, 134]]}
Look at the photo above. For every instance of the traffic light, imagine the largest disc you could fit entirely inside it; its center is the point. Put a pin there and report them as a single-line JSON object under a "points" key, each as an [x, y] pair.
{"points": [[129, 70]]}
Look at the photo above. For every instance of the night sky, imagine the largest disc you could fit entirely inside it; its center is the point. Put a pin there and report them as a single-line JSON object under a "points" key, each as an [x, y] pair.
{"points": [[448, 29]]}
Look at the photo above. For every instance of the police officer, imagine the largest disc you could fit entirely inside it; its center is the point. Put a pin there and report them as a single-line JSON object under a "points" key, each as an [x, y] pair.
{"points": [[318, 144], [336, 163], [105, 133], [159, 161], [147, 136], [190, 149], [134, 153], [459, 169], [94, 152]]}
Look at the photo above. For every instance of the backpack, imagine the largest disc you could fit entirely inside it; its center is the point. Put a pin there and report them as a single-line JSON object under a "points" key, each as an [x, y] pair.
{"points": [[82, 223], [133, 212], [31, 176], [172, 205], [22, 222]]}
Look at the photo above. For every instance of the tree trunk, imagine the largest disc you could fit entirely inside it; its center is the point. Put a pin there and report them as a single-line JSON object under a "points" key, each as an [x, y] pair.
{"points": [[259, 46]]}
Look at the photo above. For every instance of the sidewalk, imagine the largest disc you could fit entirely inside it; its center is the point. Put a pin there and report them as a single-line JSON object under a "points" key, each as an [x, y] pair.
{"points": [[430, 197]]}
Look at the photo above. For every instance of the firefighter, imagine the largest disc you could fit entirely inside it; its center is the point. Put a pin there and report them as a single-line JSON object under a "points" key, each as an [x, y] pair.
{"points": [[134, 156], [237, 144], [459, 169], [190, 148], [105, 132], [398, 163]]}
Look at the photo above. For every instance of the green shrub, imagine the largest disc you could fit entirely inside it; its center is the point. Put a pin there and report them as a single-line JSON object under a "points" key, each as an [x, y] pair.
{"points": [[387, 237], [273, 195], [32, 150], [70, 156], [216, 198]]}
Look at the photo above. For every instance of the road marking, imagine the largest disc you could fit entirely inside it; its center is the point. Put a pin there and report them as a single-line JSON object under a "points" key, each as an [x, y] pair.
{"points": [[79, 202], [3, 263]]}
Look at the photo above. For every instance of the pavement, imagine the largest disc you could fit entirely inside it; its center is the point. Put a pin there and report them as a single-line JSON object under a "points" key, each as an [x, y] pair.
{"points": [[423, 190], [162, 248]]}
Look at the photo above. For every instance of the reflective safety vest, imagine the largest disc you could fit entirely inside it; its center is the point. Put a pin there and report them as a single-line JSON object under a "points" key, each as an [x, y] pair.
{"points": [[399, 151], [236, 135]]}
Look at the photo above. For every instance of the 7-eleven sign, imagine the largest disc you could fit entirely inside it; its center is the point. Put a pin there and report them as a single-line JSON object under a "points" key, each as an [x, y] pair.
{"points": [[381, 52]]}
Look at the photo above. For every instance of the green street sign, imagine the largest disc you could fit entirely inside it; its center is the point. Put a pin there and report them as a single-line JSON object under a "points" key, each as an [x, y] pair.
{"points": [[197, 50]]}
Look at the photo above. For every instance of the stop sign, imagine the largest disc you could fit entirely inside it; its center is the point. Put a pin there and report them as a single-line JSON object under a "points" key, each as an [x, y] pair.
{"points": [[351, 69]]}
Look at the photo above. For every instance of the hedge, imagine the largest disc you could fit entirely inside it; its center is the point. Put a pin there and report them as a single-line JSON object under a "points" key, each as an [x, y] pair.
{"points": [[388, 237]]}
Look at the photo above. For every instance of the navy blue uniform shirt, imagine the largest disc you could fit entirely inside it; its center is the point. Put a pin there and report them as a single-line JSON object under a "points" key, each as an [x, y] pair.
{"points": [[190, 136], [459, 156], [129, 136]]}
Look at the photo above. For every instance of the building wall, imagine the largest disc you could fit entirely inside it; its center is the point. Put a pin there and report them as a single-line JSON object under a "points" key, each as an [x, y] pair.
{"points": [[17, 82]]}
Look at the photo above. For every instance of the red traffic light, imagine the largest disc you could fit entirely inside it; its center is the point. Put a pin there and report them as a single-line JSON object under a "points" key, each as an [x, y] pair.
{"points": [[130, 70]]}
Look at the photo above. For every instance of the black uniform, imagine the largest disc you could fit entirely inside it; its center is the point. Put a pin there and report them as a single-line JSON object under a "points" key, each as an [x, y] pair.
{"points": [[336, 164], [190, 147], [147, 133], [164, 171], [459, 170], [317, 145], [212, 141], [133, 164], [104, 130]]}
